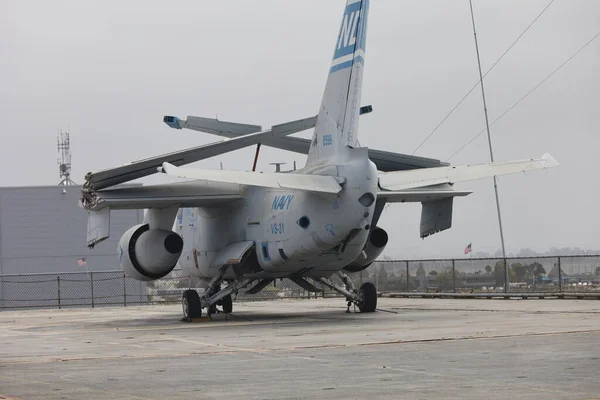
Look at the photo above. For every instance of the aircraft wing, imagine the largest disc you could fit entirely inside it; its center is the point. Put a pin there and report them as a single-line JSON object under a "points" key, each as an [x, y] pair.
{"points": [[385, 160], [138, 169], [311, 183], [214, 126], [420, 196], [403, 180], [182, 194]]}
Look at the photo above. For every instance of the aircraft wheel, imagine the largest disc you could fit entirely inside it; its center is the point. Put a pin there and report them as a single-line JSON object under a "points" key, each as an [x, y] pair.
{"points": [[190, 302], [227, 304], [368, 293]]}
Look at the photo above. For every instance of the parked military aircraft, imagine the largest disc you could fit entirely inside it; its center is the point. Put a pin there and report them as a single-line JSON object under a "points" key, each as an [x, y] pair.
{"points": [[242, 230]]}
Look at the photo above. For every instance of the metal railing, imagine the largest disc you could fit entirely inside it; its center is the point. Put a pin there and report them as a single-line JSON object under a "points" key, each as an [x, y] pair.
{"points": [[560, 274]]}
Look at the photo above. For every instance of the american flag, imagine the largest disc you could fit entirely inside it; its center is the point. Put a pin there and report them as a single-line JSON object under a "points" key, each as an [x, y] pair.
{"points": [[82, 262], [468, 248]]}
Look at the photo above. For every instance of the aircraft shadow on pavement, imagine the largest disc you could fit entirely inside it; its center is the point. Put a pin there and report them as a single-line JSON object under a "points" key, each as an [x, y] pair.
{"points": [[324, 317]]}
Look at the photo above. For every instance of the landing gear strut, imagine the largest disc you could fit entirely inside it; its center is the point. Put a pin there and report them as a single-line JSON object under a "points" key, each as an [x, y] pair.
{"points": [[365, 297]]}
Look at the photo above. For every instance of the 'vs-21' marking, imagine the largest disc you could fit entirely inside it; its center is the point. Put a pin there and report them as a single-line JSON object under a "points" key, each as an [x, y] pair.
{"points": [[277, 228], [282, 202]]}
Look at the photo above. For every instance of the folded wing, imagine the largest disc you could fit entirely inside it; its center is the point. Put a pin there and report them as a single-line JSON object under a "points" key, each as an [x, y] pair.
{"points": [[384, 160], [139, 169]]}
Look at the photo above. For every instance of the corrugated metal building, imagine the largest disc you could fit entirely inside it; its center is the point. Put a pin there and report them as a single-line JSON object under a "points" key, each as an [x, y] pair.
{"points": [[43, 229]]}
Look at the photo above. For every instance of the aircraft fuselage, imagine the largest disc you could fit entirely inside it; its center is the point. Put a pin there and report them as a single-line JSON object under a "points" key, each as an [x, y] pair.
{"points": [[294, 232]]}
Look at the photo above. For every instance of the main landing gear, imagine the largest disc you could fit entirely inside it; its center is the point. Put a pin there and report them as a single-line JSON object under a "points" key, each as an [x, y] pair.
{"points": [[192, 305], [365, 297], [213, 296]]}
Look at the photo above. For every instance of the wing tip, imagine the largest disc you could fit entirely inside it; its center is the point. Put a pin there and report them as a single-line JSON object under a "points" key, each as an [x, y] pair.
{"points": [[549, 161]]}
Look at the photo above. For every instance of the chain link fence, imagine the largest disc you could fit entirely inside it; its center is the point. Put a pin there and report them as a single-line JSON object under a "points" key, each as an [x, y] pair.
{"points": [[113, 288], [488, 275], [562, 274]]}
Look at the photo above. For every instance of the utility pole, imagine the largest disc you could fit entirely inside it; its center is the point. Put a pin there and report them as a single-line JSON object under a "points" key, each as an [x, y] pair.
{"points": [[487, 125]]}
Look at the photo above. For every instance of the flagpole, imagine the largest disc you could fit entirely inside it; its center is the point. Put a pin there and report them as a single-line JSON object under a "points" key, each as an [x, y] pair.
{"points": [[471, 257]]}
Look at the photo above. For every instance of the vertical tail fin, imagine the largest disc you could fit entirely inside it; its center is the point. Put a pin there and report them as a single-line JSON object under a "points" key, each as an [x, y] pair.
{"points": [[337, 124]]}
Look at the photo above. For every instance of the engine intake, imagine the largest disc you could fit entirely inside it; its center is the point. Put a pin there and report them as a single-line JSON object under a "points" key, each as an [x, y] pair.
{"points": [[147, 254], [376, 242]]}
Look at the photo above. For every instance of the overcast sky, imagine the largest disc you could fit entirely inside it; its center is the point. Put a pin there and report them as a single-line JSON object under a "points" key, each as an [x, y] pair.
{"points": [[108, 71]]}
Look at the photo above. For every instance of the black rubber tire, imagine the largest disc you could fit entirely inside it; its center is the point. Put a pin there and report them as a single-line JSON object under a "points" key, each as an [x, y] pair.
{"points": [[227, 304], [190, 302], [368, 293]]}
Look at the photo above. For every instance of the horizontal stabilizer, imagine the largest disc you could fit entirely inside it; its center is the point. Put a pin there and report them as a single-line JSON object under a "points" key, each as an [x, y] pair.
{"points": [[402, 180], [139, 169], [311, 183]]}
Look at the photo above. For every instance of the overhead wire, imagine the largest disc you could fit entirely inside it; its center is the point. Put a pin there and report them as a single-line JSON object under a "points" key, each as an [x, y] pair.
{"points": [[484, 75], [527, 94]]}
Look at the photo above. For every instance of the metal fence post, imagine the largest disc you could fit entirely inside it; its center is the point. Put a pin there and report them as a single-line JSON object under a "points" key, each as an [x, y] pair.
{"points": [[453, 276], [147, 296], [1, 292], [407, 278], [58, 284], [560, 289], [124, 292], [506, 278], [92, 286]]}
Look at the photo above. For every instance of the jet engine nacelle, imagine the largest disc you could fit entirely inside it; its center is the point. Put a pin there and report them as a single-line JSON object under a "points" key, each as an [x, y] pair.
{"points": [[376, 242], [146, 254]]}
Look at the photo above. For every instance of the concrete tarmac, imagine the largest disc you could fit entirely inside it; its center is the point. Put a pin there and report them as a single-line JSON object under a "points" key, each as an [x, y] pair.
{"points": [[299, 349]]}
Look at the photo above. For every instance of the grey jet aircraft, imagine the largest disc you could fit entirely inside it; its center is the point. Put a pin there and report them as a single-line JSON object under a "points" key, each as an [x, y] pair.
{"points": [[241, 230]]}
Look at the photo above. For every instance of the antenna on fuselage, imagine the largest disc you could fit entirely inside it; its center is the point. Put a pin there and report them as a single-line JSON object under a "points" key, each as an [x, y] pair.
{"points": [[256, 157], [278, 165]]}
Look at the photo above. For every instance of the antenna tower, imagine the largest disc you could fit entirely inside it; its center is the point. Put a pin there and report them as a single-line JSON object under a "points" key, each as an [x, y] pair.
{"points": [[64, 160]]}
